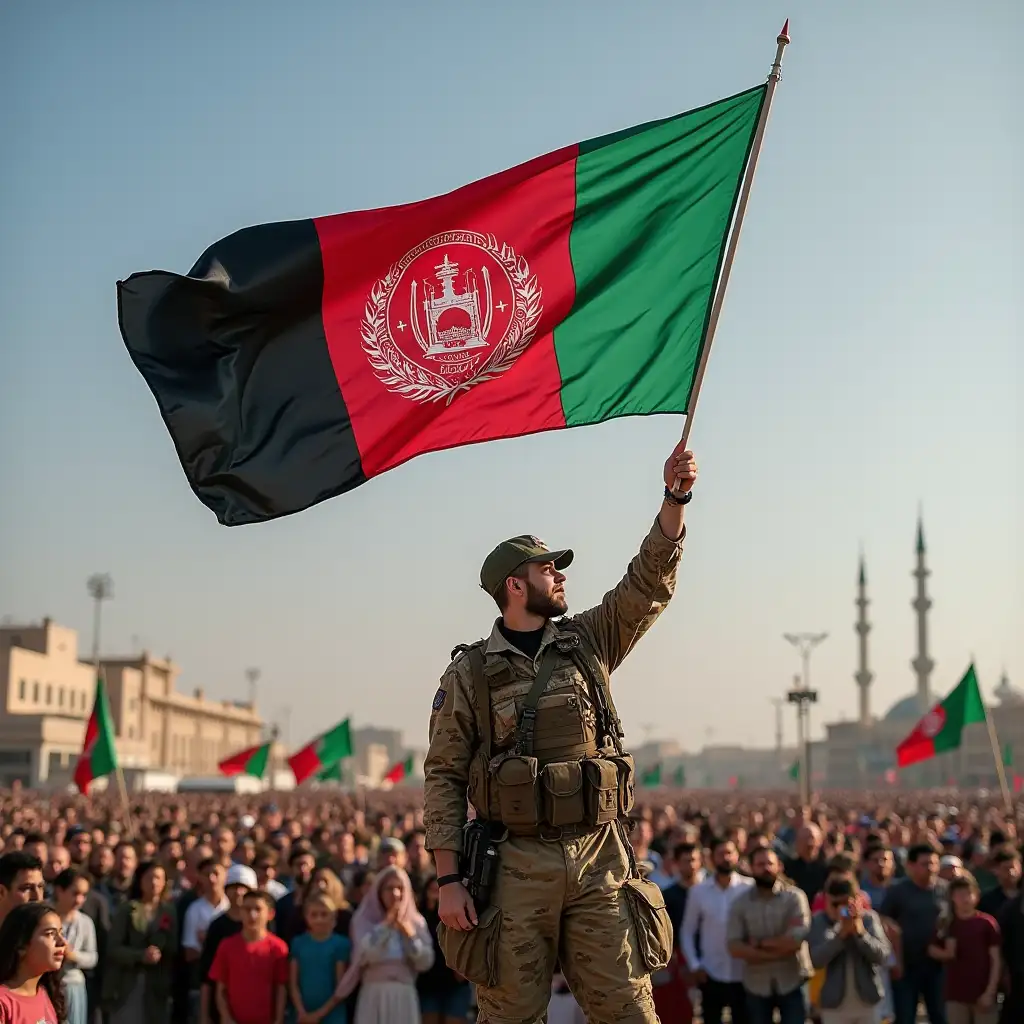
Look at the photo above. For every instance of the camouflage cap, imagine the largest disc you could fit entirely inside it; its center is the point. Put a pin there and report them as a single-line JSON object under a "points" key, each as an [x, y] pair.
{"points": [[509, 555]]}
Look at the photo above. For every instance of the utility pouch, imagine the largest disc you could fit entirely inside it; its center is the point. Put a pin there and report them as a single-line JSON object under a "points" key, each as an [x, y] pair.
{"points": [[626, 783], [601, 790], [562, 783], [651, 923], [473, 953], [514, 779]]}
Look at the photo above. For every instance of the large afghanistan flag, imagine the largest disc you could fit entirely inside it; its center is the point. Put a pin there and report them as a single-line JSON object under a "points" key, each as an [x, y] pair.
{"points": [[297, 360]]}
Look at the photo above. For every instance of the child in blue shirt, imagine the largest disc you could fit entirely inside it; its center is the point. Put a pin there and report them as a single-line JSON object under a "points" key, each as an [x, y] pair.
{"points": [[319, 959]]}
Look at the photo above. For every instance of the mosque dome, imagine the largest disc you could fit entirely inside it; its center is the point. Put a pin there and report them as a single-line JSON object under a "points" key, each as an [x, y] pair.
{"points": [[905, 710]]}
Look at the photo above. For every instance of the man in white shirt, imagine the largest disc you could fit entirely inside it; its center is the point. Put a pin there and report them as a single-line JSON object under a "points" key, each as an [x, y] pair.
{"points": [[719, 975], [211, 903]]}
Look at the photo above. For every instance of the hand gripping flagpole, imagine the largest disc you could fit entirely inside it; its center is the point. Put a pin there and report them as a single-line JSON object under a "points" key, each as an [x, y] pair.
{"points": [[774, 76]]}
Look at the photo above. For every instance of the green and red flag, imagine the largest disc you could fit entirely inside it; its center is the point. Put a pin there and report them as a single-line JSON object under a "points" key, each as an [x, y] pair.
{"points": [[400, 771], [323, 752], [794, 770], [651, 776], [99, 754], [252, 761], [679, 775], [942, 728], [297, 360]]}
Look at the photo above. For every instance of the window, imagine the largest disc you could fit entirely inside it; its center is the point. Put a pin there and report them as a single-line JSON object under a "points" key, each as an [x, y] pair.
{"points": [[60, 697], [22, 689], [49, 694], [131, 732], [35, 692]]}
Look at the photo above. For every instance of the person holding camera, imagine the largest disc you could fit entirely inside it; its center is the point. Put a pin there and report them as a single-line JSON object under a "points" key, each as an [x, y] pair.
{"points": [[848, 941]]}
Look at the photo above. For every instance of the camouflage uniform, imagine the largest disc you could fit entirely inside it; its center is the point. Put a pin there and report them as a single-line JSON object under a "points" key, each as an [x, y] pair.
{"points": [[561, 899]]}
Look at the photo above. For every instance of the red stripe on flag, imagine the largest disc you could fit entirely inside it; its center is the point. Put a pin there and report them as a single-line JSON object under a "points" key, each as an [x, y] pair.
{"points": [[83, 769], [304, 763], [518, 220], [913, 749]]}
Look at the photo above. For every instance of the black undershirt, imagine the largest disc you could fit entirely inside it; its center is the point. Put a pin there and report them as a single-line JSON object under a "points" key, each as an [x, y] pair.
{"points": [[527, 641]]}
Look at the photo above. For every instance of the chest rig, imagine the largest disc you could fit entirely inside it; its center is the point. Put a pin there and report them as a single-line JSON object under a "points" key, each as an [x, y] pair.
{"points": [[556, 779]]}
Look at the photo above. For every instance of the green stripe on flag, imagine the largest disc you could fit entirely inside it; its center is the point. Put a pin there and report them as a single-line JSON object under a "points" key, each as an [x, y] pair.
{"points": [[653, 209]]}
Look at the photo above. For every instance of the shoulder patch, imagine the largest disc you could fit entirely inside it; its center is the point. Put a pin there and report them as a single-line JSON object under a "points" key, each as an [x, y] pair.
{"points": [[439, 698]]}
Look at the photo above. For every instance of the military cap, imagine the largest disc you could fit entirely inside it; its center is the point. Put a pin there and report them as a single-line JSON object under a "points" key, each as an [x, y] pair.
{"points": [[509, 555]]}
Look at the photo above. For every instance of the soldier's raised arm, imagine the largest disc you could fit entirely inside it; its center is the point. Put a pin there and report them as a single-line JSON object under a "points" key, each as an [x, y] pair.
{"points": [[629, 610]]}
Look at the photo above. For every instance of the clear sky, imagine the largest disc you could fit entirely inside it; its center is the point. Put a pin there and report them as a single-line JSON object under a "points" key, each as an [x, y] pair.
{"points": [[868, 360]]}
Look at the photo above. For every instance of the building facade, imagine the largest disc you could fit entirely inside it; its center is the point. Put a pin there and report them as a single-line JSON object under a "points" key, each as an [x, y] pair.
{"points": [[46, 697]]}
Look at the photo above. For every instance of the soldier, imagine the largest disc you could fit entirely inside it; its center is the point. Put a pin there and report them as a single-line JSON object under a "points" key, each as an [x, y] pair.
{"points": [[524, 724]]}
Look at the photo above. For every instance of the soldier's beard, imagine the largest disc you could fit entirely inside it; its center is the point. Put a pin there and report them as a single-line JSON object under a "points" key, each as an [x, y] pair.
{"points": [[547, 606]]}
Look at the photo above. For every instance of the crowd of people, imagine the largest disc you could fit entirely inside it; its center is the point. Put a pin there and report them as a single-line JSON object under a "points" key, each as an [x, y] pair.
{"points": [[320, 907]]}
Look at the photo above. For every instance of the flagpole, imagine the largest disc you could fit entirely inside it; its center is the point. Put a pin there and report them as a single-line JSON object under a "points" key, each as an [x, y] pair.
{"points": [[997, 756], [101, 588], [122, 788], [774, 76]]}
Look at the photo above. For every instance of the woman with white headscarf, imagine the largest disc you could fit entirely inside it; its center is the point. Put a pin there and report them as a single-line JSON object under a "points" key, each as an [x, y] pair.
{"points": [[391, 945]]}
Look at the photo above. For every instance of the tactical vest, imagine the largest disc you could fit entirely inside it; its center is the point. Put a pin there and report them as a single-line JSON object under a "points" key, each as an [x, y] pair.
{"points": [[557, 779]]}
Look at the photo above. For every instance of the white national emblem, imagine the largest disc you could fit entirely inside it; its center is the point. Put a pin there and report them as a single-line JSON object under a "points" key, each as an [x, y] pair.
{"points": [[457, 310], [933, 722]]}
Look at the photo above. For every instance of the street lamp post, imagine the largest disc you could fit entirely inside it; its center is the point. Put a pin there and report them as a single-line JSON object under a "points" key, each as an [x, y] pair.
{"points": [[253, 676], [101, 588], [803, 697]]}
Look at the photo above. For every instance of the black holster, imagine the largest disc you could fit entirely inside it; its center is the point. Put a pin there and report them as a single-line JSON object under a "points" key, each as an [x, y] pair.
{"points": [[479, 864]]}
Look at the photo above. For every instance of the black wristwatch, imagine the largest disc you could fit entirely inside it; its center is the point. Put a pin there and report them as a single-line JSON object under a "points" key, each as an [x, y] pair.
{"points": [[448, 880], [675, 499]]}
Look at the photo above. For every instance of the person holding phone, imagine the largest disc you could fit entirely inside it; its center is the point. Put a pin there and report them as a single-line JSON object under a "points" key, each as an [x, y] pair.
{"points": [[849, 943]]}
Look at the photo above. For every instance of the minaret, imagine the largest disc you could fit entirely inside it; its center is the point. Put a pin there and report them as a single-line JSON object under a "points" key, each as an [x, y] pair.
{"points": [[922, 664], [862, 628]]}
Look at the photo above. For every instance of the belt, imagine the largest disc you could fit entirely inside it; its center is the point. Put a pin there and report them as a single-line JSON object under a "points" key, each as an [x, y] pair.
{"points": [[556, 833]]}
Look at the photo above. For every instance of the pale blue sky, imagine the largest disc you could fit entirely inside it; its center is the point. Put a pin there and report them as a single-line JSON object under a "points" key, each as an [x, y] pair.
{"points": [[868, 358]]}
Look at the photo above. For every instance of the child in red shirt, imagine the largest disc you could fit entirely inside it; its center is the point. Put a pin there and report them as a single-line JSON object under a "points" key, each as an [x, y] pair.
{"points": [[970, 948], [251, 969]]}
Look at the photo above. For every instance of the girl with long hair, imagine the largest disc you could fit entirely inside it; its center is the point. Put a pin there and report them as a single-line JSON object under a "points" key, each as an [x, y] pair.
{"points": [[325, 880], [391, 946], [31, 956], [319, 957], [140, 952]]}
